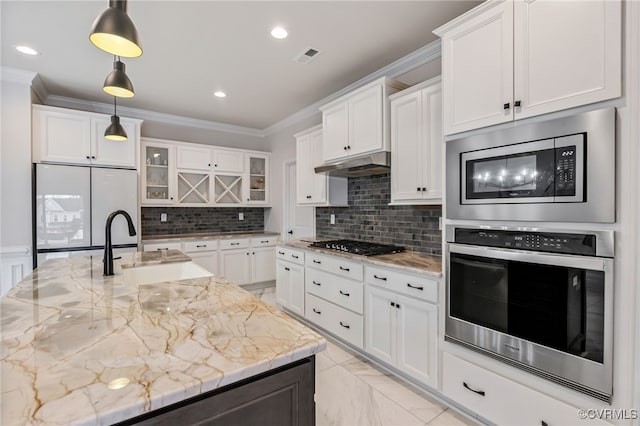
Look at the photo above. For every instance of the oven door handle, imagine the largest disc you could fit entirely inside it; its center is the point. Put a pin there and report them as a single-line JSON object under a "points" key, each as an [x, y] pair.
{"points": [[554, 259]]}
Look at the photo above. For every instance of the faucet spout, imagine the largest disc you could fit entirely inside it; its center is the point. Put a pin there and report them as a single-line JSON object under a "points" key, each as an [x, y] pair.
{"points": [[108, 247]]}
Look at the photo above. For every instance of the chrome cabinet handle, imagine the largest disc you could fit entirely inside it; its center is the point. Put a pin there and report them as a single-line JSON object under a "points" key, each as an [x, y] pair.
{"points": [[344, 269], [379, 278], [344, 294], [416, 287], [345, 325], [479, 392]]}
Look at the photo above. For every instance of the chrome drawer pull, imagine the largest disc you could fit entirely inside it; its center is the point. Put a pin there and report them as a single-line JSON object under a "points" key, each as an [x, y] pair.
{"points": [[416, 287], [379, 278], [316, 283], [344, 294], [316, 311], [345, 325], [481, 393], [344, 269], [317, 261]]}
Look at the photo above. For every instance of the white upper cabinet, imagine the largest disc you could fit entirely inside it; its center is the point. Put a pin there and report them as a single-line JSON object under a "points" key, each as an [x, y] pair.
{"points": [[507, 60], [416, 144], [257, 181], [225, 160], [193, 157], [314, 189], [77, 137], [357, 123]]}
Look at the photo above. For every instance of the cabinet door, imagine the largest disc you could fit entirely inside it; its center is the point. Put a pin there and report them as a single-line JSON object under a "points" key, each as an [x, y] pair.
{"points": [[407, 148], [432, 147], [158, 174], [194, 158], [258, 180], [417, 338], [113, 153], [63, 137], [207, 259], [228, 161], [335, 132], [235, 266], [477, 68], [296, 289], [264, 264], [380, 323], [567, 54], [311, 188], [365, 122], [283, 282]]}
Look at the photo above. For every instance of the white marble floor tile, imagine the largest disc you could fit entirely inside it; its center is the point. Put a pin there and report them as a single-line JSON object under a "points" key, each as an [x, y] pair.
{"points": [[323, 362], [344, 400], [451, 418], [337, 353], [410, 399]]}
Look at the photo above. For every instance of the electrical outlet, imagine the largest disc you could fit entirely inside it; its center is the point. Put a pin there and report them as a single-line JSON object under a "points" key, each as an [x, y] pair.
{"points": [[440, 223], [240, 216], [333, 219], [163, 217]]}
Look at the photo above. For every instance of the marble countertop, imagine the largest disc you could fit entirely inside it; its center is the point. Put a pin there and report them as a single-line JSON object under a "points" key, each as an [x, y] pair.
{"points": [[209, 235], [409, 261], [80, 348]]}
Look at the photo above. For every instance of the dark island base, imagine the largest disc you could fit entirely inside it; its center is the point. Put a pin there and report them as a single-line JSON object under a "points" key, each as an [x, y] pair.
{"points": [[283, 396]]}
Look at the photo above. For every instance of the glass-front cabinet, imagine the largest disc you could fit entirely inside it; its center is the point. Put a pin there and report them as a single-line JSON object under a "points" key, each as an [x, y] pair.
{"points": [[258, 167], [158, 175]]}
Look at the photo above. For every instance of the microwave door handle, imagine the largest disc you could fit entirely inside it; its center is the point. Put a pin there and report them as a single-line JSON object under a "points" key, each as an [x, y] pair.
{"points": [[581, 262]]}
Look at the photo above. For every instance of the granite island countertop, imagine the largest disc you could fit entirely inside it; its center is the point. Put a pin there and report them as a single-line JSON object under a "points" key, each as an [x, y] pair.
{"points": [[409, 261], [80, 348]]}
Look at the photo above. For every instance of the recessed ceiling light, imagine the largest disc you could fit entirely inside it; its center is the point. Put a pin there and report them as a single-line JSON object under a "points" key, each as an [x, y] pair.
{"points": [[279, 33], [26, 50], [219, 94]]}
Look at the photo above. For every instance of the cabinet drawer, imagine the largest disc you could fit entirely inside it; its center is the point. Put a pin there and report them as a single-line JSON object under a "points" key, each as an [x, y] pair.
{"points": [[412, 285], [341, 291], [339, 321], [163, 246], [202, 245], [501, 400], [291, 255], [234, 244], [336, 265], [264, 241]]}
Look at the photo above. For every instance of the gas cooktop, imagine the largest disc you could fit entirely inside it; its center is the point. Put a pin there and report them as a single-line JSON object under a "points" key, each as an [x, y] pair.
{"points": [[357, 247]]}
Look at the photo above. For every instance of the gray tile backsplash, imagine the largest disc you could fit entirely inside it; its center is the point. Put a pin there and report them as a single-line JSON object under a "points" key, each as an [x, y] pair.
{"points": [[370, 218], [192, 220]]}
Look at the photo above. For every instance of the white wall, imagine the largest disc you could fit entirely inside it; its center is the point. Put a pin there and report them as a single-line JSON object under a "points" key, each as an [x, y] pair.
{"points": [[15, 177]]}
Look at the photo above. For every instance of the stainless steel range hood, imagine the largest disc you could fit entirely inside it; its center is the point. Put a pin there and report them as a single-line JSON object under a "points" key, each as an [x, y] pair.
{"points": [[372, 164]]}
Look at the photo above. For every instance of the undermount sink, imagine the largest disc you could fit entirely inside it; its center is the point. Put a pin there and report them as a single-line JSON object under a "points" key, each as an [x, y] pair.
{"points": [[164, 272]]}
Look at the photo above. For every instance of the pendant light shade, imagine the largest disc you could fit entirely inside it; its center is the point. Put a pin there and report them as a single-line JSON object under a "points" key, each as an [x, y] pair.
{"points": [[115, 131], [114, 32], [117, 83]]}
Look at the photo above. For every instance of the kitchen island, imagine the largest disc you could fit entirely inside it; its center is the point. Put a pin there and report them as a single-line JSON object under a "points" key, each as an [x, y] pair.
{"points": [[81, 348]]}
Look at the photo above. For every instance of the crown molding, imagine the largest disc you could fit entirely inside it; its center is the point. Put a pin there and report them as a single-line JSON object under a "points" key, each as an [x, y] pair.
{"points": [[397, 68], [104, 108], [15, 75], [478, 10], [39, 88]]}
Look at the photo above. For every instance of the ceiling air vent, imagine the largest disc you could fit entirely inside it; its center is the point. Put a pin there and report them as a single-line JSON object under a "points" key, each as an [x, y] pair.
{"points": [[306, 56]]}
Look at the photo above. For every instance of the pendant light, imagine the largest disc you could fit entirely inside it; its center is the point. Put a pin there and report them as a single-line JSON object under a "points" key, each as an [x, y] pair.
{"points": [[114, 32], [115, 131], [117, 83]]}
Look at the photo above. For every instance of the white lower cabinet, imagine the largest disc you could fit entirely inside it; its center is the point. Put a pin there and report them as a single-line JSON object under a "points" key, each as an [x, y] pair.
{"points": [[234, 265], [339, 321], [501, 400], [290, 279], [162, 246], [402, 332], [203, 253], [245, 261]]}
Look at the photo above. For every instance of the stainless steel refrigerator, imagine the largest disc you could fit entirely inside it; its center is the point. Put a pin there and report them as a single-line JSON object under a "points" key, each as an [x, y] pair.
{"points": [[71, 205]]}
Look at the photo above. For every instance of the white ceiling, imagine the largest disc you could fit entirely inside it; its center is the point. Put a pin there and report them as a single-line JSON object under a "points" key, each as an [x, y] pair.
{"points": [[192, 49]]}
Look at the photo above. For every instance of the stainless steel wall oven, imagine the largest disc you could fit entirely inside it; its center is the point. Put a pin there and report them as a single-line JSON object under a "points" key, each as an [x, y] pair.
{"points": [[556, 170], [539, 299]]}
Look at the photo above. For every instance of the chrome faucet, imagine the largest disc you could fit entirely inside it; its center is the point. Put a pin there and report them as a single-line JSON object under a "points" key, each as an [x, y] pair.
{"points": [[108, 248]]}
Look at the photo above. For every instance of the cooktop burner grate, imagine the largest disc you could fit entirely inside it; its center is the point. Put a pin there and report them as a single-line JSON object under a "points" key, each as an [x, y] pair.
{"points": [[357, 247]]}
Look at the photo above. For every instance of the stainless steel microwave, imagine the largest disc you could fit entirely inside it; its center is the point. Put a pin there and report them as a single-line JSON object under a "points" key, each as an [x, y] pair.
{"points": [[555, 170]]}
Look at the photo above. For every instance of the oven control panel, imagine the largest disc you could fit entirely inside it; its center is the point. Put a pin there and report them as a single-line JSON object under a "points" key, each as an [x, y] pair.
{"points": [[565, 173], [581, 244]]}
